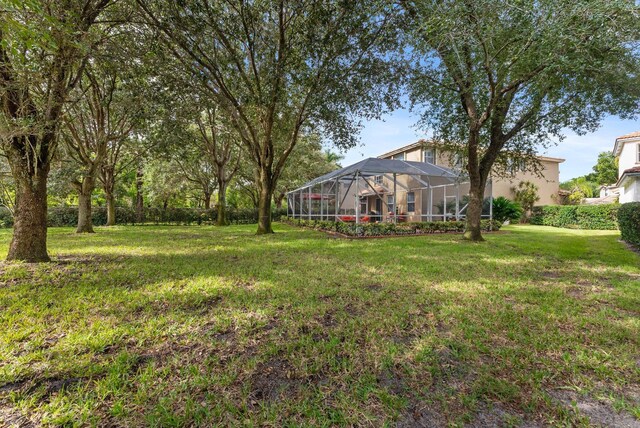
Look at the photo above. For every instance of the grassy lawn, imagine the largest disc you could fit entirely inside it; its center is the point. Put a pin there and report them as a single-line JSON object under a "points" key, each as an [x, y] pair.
{"points": [[198, 326]]}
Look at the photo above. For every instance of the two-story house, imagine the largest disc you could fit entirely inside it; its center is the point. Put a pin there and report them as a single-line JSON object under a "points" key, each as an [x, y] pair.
{"points": [[427, 186], [627, 152], [547, 179]]}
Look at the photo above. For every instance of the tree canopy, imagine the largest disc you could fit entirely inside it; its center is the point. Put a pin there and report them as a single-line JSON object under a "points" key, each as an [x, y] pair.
{"points": [[498, 77]]}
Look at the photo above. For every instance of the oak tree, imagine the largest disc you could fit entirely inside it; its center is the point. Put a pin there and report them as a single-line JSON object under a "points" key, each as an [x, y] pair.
{"points": [[507, 77]]}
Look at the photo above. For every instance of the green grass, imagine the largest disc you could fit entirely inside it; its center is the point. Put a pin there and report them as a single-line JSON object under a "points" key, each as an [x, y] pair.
{"points": [[204, 326]]}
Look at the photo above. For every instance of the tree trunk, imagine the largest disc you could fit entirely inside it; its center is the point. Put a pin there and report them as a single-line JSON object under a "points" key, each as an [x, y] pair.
{"points": [[221, 207], [139, 198], [264, 205], [207, 200], [279, 199], [474, 209], [85, 222], [111, 209], [29, 242]]}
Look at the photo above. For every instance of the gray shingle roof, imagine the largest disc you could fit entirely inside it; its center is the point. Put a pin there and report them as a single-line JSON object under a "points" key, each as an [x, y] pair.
{"points": [[374, 166]]}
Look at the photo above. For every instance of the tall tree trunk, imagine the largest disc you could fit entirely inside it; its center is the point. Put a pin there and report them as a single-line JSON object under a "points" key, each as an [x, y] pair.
{"points": [[111, 209], [264, 204], [85, 190], [279, 199], [29, 242], [207, 200], [139, 198], [474, 209], [221, 206]]}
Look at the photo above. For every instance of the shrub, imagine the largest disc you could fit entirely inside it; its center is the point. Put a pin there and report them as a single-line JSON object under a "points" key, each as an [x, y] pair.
{"points": [[599, 217], [6, 219], [629, 222], [388, 229], [504, 209], [526, 194], [68, 216]]}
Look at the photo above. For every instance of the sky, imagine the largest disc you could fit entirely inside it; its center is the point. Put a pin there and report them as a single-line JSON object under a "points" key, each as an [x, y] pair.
{"points": [[579, 151]]}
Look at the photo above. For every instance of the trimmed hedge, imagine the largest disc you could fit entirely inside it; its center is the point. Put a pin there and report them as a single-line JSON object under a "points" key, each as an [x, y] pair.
{"points": [[68, 216], [387, 229], [629, 222], [595, 217]]}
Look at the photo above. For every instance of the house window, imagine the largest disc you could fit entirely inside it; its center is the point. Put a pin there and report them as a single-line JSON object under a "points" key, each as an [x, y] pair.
{"points": [[411, 202], [638, 157], [363, 205], [399, 156], [377, 179], [430, 156], [390, 204]]}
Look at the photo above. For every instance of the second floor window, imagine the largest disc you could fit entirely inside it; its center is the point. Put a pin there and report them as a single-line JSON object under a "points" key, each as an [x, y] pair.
{"points": [[377, 179], [398, 156], [638, 157], [429, 156], [411, 202]]}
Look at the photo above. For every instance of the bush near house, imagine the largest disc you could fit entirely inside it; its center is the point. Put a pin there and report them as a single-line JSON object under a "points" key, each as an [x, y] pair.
{"points": [[629, 222], [68, 216], [504, 209], [594, 217], [388, 229]]}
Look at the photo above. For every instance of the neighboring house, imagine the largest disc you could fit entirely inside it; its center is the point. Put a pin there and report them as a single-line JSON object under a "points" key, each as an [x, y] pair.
{"points": [[627, 152], [609, 190], [548, 181]]}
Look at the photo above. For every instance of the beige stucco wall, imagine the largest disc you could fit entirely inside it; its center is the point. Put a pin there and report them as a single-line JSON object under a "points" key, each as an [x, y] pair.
{"points": [[548, 181]]}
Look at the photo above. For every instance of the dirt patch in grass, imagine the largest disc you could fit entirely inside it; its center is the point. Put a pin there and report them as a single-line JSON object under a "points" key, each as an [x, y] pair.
{"points": [[496, 415], [421, 416], [374, 287], [11, 417], [273, 380], [551, 274], [392, 381], [598, 412], [50, 385]]}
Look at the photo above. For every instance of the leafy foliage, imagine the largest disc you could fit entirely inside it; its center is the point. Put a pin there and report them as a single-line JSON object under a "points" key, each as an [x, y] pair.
{"points": [[526, 194], [504, 209], [596, 217], [68, 216], [629, 222], [501, 79], [580, 188], [606, 169]]}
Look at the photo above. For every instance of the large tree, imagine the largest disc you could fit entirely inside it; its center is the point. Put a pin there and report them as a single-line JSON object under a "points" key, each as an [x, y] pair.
{"points": [[96, 124], [605, 171], [208, 149], [219, 143], [497, 78], [44, 45], [277, 67]]}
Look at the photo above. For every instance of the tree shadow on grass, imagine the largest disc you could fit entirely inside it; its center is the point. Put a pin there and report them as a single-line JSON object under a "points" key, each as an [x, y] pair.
{"points": [[343, 327]]}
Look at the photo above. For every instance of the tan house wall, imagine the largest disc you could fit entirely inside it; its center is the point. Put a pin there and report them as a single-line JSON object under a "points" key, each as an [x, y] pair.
{"points": [[548, 181]]}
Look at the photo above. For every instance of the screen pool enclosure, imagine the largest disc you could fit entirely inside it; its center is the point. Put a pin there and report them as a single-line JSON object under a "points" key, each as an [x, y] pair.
{"points": [[386, 190]]}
